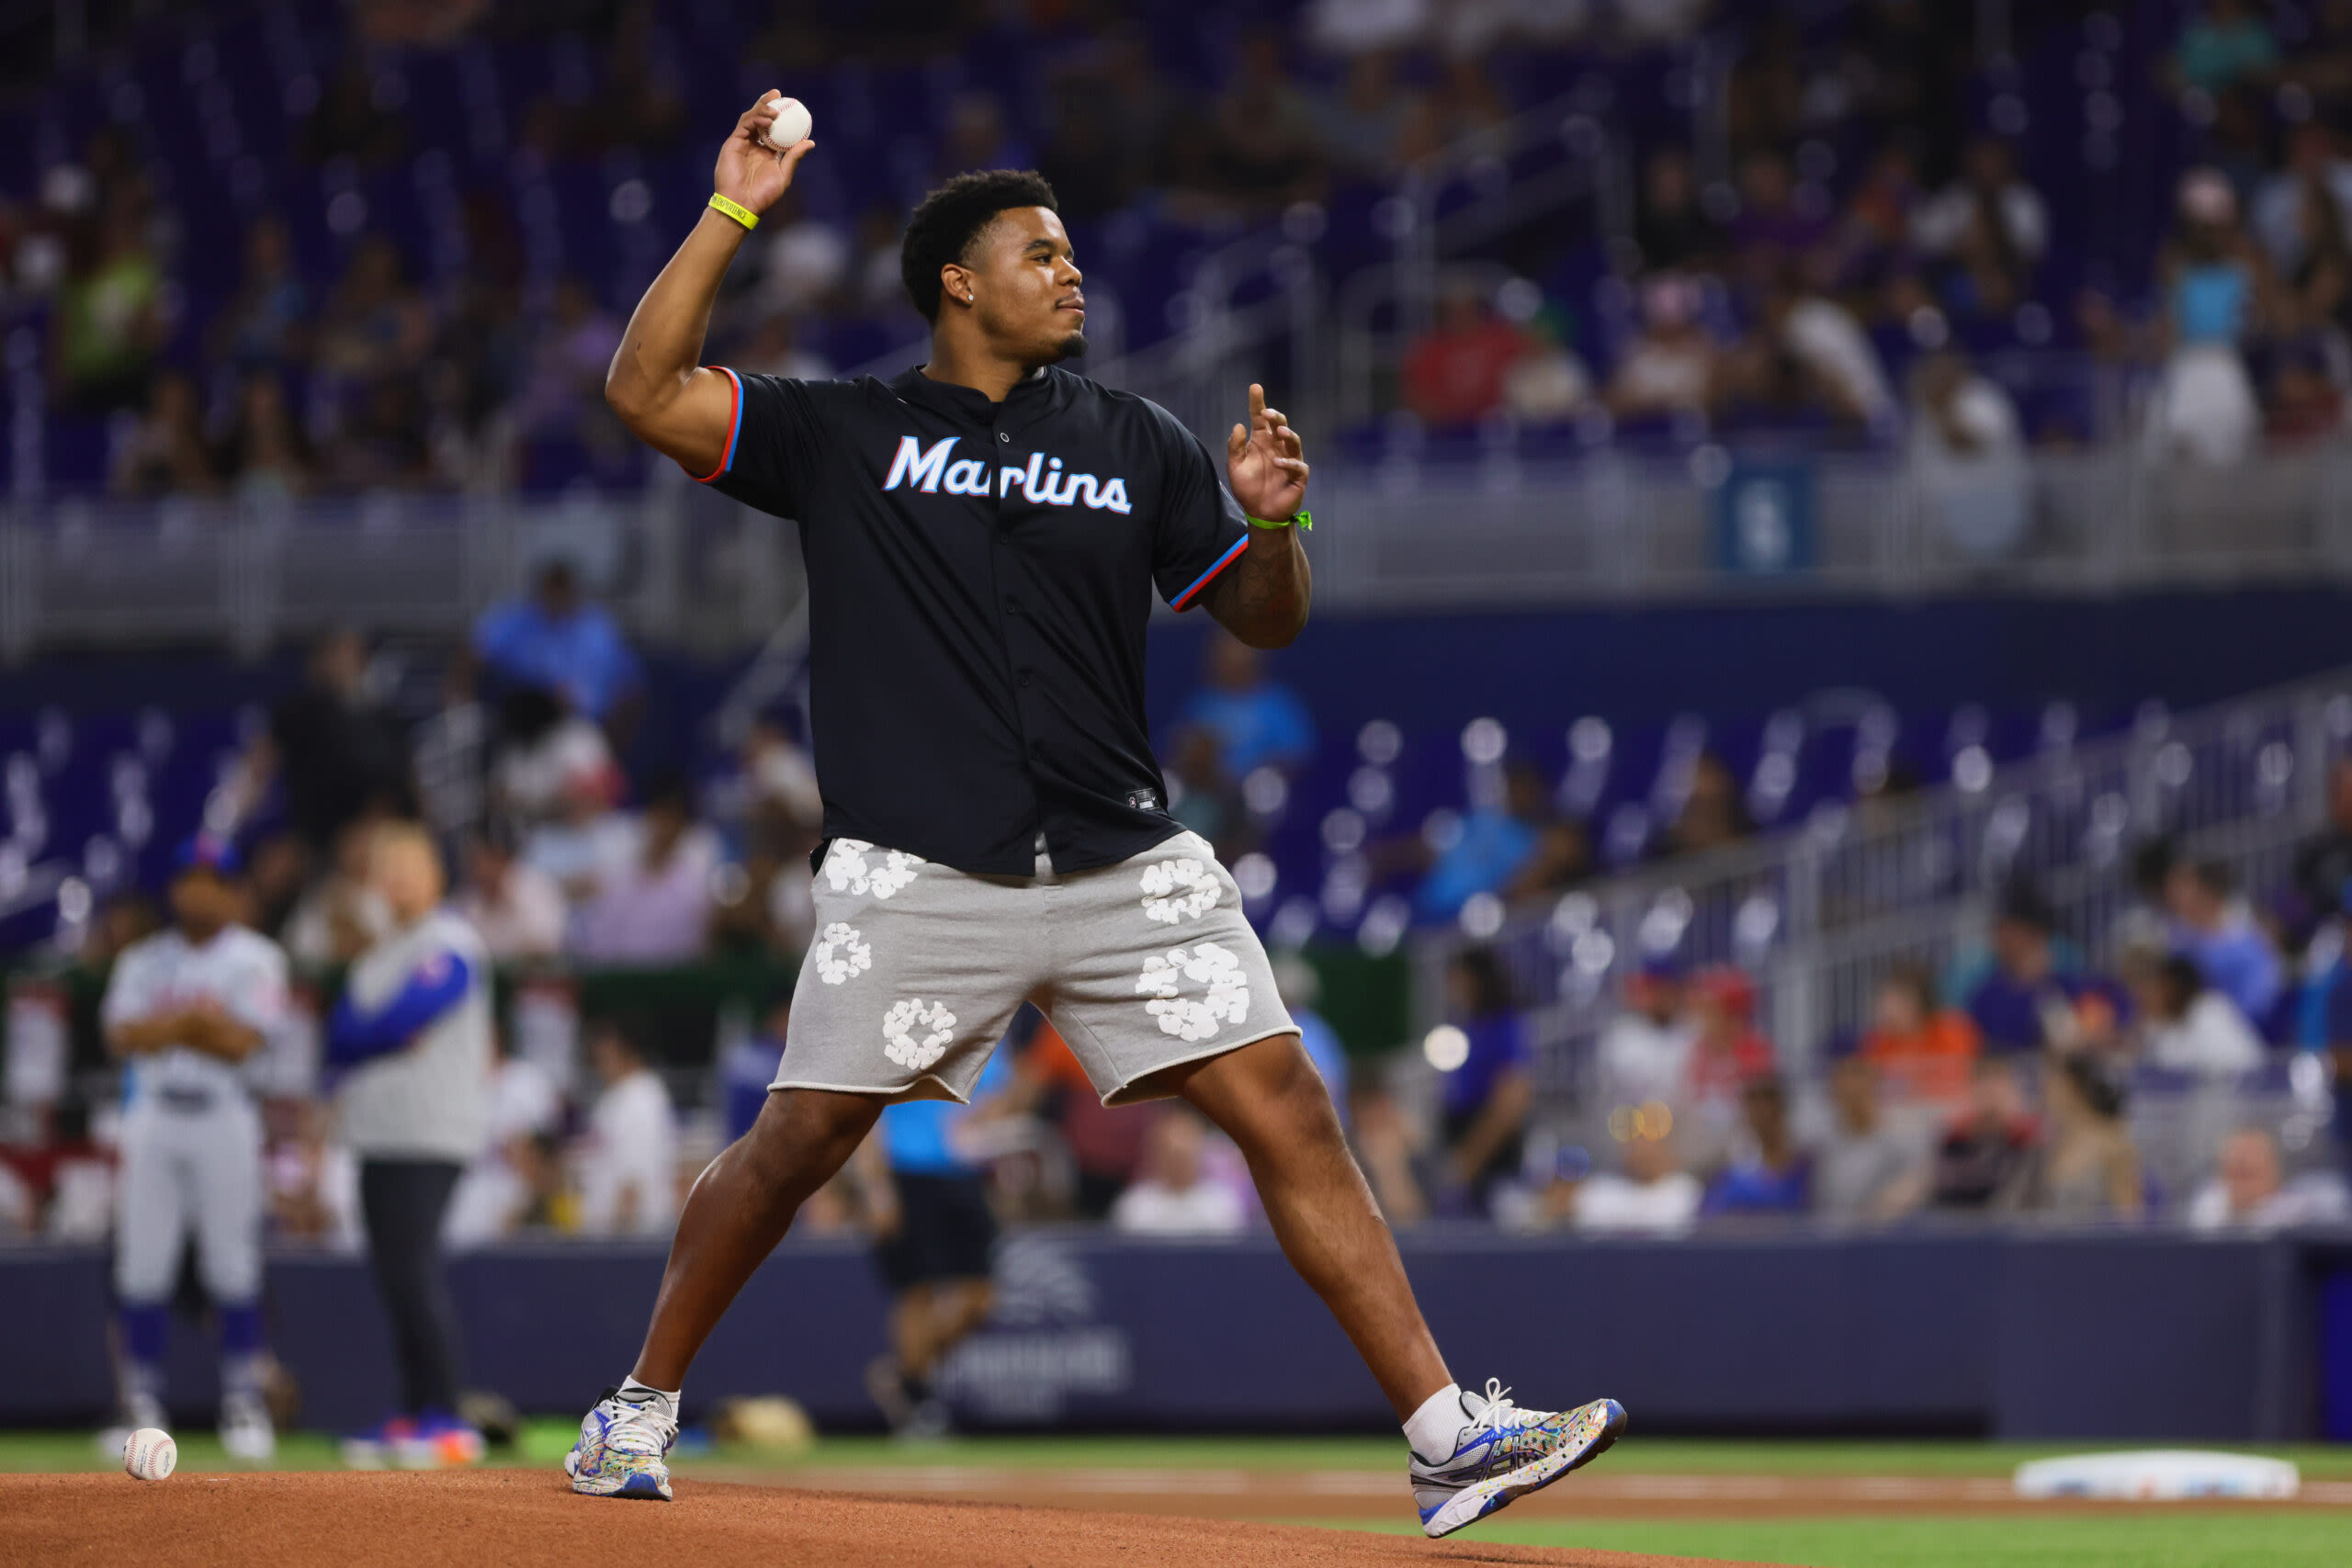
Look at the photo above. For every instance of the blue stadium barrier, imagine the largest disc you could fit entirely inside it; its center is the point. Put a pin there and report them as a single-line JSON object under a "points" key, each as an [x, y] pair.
{"points": [[2119, 1336]]}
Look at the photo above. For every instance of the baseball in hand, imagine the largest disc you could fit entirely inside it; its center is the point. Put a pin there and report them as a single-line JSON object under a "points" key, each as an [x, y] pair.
{"points": [[151, 1454], [791, 124]]}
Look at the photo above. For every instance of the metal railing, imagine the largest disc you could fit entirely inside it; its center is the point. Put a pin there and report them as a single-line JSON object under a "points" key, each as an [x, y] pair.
{"points": [[684, 567], [1821, 914], [1614, 526], [678, 565]]}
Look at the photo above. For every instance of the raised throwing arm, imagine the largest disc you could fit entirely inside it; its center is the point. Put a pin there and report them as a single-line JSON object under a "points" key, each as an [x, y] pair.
{"points": [[656, 383], [1263, 599]]}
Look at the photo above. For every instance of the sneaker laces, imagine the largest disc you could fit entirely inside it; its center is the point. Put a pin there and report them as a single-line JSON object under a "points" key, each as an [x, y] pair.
{"points": [[1500, 1414], [642, 1427]]}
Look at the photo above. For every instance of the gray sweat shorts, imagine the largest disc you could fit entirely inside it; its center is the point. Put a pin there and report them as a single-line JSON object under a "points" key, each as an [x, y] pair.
{"points": [[917, 969]]}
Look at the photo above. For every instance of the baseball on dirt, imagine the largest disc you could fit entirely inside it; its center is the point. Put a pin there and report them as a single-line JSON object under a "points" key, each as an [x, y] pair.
{"points": [[791, 124], [151, 1454]]}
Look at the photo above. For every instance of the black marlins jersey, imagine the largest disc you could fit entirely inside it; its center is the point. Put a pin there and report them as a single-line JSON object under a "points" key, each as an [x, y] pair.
{"points": [[979, 578]]}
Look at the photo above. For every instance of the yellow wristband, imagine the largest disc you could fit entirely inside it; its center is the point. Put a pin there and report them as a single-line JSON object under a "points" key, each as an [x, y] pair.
{"points": [[735, 210]]}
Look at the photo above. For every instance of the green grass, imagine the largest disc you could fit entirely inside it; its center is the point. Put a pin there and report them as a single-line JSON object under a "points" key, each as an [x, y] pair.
{"points": [[545, 1440], [31, 1452], [1656, 1456], [2141, 1539]]}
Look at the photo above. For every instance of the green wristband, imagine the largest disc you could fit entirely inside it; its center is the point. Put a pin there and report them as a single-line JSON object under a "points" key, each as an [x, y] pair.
{"points": [[1304, 519]]}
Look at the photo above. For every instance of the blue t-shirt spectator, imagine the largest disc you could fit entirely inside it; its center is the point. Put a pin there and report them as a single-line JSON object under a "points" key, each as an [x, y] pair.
{"points": [[745, 1070], [1265, 724], [1323, 1049], [1493, 847], [2208, 303], [918, 1135], [2008, 1012], [1498, 1045], [1753, 1188], [556, 641], [2321, 1007], [2238, 961], [2333, 1028]]}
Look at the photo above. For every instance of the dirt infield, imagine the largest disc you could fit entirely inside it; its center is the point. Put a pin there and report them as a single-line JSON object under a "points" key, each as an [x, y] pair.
{"points": [[530, 1518]]}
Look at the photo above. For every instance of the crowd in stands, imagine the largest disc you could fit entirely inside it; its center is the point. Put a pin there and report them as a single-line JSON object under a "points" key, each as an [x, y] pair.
{"points": [[1846, 262], [2004, 1083], [353, 350], [562, 866], [2001, 1086], [1859, 270]]}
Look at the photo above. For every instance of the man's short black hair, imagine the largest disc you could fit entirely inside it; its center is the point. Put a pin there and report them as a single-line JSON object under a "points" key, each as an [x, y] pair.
{"points": [[952, 217]]}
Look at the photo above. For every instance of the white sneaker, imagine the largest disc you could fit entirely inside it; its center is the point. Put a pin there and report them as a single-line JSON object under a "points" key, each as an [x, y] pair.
{"points": [[246, 1432], [139, 1411], [1503, 1453], [624, 1446]]}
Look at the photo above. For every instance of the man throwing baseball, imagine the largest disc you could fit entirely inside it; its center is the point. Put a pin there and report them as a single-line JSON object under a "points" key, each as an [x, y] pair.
{"points": [[982, 537]]}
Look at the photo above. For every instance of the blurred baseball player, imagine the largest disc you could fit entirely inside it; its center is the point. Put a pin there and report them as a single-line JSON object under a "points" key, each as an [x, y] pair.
{"points": [[184, 1011], [412, 1029], [983, 535]]}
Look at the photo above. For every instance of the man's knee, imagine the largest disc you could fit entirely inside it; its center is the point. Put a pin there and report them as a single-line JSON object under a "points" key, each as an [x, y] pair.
{"points": [[801, 1137], [1287, 1097]]}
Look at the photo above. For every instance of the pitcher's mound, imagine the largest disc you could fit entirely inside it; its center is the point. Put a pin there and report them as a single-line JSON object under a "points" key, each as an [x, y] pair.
{"points": [[524, 1519]]}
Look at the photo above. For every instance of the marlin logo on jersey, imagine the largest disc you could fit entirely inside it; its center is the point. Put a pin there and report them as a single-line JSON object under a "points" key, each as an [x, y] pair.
{"points": [[1042, 482]]}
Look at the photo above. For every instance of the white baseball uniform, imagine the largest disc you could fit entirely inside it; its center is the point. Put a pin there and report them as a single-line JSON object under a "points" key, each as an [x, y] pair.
{"points": [[191, 1134]]}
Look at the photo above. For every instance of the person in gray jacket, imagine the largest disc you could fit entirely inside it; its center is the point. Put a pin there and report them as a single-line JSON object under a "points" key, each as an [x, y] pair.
{"points": [[412, 1032]]}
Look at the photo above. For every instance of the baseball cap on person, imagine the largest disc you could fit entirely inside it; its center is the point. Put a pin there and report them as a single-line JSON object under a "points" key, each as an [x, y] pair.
{"points": [[208, 851], [1728, 989]]}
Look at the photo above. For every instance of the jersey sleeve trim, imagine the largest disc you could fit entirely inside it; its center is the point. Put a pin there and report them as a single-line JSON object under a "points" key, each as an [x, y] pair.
{"points": [[734, 425], [1185, 598]]}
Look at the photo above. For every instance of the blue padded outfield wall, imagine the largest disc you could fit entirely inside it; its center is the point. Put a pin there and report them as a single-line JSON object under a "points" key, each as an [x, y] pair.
{"points": [[2155, 1338], [1740, 656]]}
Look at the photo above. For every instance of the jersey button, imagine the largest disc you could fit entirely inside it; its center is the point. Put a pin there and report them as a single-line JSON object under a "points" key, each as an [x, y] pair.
{"points": [[1024, 678], [1005, 436]]}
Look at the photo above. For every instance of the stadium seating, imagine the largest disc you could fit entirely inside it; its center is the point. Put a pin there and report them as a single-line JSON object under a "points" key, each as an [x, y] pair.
{"points": [[237, 98]]}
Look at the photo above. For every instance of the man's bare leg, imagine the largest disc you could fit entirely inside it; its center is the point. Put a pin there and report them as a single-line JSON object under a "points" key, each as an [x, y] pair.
{"points": [[1268, 1098], [738, 1212]]}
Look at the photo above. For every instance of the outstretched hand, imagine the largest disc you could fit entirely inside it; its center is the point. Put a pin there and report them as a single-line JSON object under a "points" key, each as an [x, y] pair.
{"points": [[750, 171], [1264, 462]]}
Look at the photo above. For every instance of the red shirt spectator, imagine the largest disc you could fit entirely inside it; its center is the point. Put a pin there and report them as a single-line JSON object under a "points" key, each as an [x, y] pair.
{"points": [[1456, 374], [1730, 1054]]}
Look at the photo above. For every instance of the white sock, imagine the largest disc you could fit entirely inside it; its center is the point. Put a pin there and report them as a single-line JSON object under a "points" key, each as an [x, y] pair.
{"points": [[244, 1374], [1432, 1429], [634, 1393]]}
